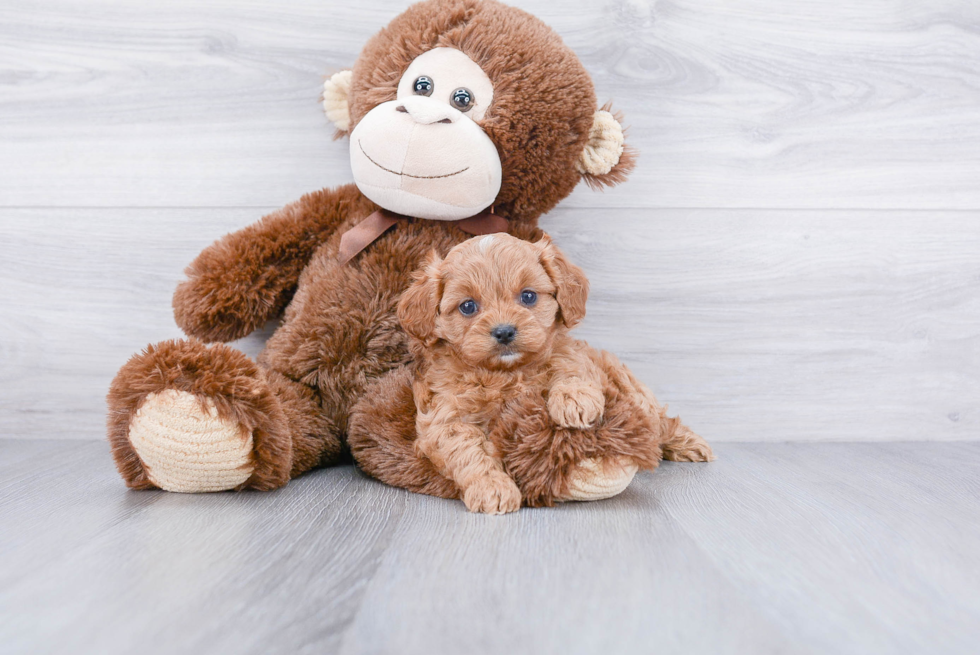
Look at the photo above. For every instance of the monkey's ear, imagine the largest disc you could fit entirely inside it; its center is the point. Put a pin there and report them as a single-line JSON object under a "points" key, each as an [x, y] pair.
{"points": [[336, 92], [419, 305], [606, 160], [571, 285]]}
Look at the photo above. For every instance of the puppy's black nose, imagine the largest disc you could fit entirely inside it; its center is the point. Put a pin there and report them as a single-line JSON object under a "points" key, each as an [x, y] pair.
{"points": [[504, 334]]}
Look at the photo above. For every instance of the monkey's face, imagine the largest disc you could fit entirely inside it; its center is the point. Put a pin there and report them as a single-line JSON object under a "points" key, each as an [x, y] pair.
{"points": [[424, 154], [458, 105]]}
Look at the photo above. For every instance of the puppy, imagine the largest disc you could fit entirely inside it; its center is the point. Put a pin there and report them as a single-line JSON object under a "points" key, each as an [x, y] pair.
{"points": [[489, 323]]}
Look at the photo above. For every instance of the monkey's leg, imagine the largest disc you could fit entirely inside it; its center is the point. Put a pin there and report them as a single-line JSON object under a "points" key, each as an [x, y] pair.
{"points": [[679, 442], [552, 464], [187, 417], [381, 435], [315, 440]]}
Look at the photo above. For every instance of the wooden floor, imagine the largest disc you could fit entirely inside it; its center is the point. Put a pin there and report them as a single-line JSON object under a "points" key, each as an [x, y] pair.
{"points": [[774, 548]]}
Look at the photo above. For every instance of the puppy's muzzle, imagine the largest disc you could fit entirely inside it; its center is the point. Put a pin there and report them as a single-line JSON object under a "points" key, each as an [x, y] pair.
{"points": [[504, 334]]}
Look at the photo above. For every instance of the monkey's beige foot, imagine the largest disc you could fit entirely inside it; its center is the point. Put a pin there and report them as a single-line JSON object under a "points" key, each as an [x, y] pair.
{"points": [[185, 416], [186, 447], [595, 479]]}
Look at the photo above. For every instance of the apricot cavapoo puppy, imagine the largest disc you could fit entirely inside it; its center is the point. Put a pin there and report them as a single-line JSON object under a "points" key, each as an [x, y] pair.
{"points": [[490, 329]]}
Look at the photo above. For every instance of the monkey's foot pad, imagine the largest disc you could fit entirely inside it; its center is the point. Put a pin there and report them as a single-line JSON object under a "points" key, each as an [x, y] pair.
{"points": [[595, 479], [186, 447]]}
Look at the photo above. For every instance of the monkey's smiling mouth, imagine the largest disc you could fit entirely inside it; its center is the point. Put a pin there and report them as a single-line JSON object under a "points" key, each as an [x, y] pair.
{"points": [[418, 177]]}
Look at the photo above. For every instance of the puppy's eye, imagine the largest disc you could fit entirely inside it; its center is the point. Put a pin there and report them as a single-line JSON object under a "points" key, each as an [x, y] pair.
{"points": [[423, 86], [528, 297], [468, 307], [463, 99]]}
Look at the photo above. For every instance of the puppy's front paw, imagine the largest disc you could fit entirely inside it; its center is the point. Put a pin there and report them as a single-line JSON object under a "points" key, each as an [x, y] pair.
{"points": [[496, 494], [575, 406]]}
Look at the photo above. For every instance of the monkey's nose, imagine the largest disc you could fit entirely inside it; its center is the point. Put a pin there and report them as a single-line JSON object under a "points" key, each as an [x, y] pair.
{"points": [[504, 334], [426, 111]]}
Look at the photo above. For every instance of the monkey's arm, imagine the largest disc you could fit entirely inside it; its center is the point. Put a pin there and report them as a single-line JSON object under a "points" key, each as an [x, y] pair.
{"points": [[576, 398], [247, 277]]}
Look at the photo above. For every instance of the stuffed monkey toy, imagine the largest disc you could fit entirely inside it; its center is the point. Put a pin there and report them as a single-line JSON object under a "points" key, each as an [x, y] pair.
{"points": [[464, 117]]}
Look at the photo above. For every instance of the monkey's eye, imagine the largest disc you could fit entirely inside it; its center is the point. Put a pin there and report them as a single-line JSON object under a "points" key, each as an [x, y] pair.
{"points": [[423, 86], [462, 99], [468, 307], [528, 298]]}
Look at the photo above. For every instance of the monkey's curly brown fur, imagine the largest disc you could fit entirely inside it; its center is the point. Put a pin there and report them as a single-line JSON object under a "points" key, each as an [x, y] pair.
{"points": [[340, 334]]}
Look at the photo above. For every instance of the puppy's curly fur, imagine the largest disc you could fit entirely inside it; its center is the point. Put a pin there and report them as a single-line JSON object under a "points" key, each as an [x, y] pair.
{"points": [[497, 373]]}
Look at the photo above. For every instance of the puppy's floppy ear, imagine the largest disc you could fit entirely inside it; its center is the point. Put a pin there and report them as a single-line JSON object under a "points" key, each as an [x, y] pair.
{"points": [[336, 100], [419, 305], [572, 287], [606, 160]]}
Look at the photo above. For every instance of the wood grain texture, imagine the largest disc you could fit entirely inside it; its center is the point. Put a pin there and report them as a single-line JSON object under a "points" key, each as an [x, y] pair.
{"points": [[774, 548], [754, 103], [853, 548], [257, 573], [754, 326], [832, 324], [776, 325]]}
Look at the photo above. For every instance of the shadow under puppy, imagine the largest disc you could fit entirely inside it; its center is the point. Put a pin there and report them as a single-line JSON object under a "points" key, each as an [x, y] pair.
{"points": [[508, 406]]}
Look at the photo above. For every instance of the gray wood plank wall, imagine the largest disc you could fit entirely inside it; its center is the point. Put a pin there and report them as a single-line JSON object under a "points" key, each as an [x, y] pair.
{"points": [[797, 256]]}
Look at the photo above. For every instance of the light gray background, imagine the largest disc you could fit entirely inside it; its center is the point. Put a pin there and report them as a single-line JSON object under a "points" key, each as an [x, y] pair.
{"points": [[797, 256]]}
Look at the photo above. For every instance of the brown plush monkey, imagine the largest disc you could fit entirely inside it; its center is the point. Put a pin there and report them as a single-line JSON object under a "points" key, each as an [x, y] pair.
{"points": [[456, 109]]}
